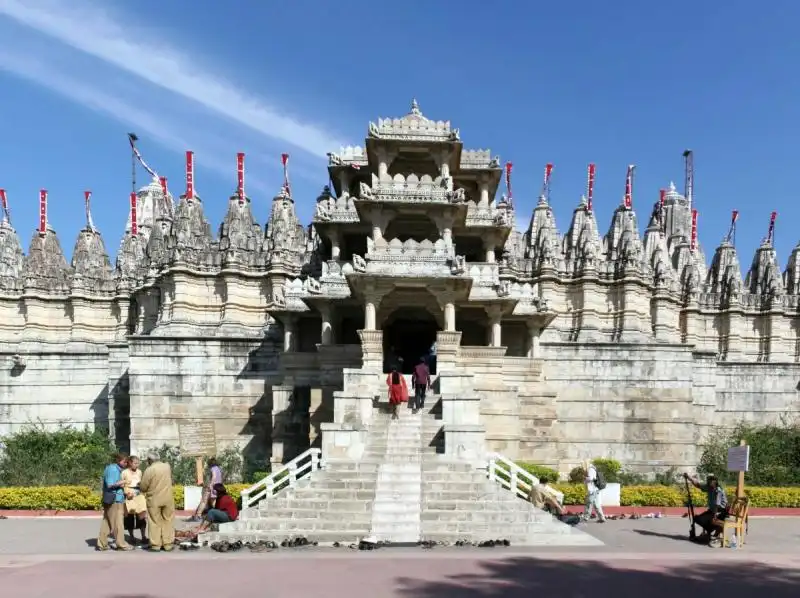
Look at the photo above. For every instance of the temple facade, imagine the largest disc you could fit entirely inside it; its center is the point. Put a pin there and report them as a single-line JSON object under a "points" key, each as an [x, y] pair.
{"points": [[549, 347]]}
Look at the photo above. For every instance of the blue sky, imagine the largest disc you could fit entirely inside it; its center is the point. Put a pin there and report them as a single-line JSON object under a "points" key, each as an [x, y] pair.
{"points": [[571, 82]]}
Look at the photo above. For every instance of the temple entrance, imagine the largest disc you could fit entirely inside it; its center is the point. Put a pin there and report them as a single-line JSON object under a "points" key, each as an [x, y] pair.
{"points": [[408, 335]]}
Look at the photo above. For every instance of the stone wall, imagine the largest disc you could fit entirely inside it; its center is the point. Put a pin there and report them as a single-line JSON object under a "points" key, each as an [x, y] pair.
{"points": [[227, 380], [54, 388]]}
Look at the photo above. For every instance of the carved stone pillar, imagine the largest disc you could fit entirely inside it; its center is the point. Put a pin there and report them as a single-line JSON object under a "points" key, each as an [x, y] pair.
{"points": [[281, 418], [326, 336], [450, 317], [289, 333], [495, 313], [533, 348], [483, 183], [344, 182], [370, 310], [336, 249]]}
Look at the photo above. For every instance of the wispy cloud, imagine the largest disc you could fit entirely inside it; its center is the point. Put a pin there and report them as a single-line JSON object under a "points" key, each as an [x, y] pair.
{"points": [[91, 29], [93, 98]]}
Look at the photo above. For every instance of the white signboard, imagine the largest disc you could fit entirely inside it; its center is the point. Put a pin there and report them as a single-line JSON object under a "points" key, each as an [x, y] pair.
{"points": [[739, 458]]}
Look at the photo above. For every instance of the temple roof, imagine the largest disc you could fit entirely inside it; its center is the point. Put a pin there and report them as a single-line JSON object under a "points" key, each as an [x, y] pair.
{"points": [[414, 126]]}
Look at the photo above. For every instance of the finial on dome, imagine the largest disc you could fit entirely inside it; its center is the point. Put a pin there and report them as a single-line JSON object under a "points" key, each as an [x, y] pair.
{"points": [[87, 198], [672, 188], [415, 108], [5, 212]]}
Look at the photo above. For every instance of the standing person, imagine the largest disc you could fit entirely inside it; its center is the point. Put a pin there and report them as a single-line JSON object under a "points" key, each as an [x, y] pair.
{"points": [[592, 481], [209, 494], [421, 381], [113, 505], [717, 503], [135, 503], [156, 485], [398, 390]]}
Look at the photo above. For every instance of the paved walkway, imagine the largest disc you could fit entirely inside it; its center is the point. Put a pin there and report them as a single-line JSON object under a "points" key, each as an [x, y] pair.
{"points": [[41, 558]]}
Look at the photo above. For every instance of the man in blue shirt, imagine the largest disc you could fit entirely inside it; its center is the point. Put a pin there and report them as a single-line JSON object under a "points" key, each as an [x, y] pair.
{"points": [[113, 498], [717, 502]]}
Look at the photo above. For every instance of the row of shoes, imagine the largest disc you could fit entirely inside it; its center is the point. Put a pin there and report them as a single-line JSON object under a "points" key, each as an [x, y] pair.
{"points": [[428, 544], [188, 546], [225, 546]]}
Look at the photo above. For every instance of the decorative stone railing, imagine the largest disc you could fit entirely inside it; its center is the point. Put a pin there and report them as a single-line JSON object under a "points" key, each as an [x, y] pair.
{"points": [[348, 156], [487, 216], [484, 274], [408, 251], [340, 210], [478, 159], [413, 189], [512, 477], [285, 477]]}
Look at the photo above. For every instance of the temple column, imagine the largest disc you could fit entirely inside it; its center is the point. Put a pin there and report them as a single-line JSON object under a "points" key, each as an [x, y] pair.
{"points": [[289, 333], [336, 249], [483, 201], [495, 330], [369, 315], [534, 331], [326, 336], [344, 183], [450, 317]]}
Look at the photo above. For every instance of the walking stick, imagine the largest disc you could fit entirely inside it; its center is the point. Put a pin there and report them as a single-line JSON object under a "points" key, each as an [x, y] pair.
{"points": [[692, 533]]}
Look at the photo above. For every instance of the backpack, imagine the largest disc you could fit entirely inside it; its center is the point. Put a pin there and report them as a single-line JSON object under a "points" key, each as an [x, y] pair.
{"points": [[600, 480]]}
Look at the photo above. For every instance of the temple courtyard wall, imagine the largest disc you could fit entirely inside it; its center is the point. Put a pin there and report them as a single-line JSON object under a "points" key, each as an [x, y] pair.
{"points": [[648, 406]]}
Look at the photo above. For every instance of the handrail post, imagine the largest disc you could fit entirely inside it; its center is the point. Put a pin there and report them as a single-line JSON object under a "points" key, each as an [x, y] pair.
{"points": [[512, 480], [314, 461], [292, 467], [492, 465]]}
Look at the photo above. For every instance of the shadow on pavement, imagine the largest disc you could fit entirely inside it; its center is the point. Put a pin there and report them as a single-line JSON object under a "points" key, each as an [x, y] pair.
{"points": [[678, 537], [526, 577]]}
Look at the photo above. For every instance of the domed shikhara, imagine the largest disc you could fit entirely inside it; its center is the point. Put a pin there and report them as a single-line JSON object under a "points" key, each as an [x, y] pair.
{"points": [[240, 236], [91, 268], [46, 269], [191, 239], [285, 240], [12, 258]]}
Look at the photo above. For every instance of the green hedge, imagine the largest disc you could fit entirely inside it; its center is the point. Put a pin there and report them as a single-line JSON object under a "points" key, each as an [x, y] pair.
{"points": [[83, 498]]}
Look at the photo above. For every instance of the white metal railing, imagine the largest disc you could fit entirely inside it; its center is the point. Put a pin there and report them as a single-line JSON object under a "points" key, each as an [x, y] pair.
{"points": [[285, 477], [512, 477]]}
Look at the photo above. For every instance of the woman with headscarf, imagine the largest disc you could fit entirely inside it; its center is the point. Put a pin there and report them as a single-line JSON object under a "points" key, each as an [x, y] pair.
{"points": [[398, 390]]}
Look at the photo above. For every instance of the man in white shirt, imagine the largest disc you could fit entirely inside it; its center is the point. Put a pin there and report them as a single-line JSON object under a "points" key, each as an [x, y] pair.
{"points": [[592, 493]]}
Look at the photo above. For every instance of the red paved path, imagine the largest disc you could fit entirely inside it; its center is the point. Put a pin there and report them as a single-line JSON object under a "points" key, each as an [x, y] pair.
{"points": [[419, 576], [666, 511]]}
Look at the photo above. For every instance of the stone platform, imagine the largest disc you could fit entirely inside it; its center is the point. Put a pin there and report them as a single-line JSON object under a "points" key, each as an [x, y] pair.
{"points": [[401, 491]]}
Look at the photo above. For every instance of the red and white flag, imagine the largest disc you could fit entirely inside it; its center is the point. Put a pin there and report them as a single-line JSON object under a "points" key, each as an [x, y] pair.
{"points": [[87, 198], [42, 211], [285, 162], [134, 219], [190, 175], [240, 176]]}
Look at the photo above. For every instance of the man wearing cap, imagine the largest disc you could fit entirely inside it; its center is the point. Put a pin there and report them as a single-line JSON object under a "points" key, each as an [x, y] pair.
{"points": [[717, 503]]}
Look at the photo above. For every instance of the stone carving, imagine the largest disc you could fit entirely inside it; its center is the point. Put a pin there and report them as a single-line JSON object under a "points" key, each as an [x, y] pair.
{"points": [[191, 240], [45, 269], [413, 127], [278, 296], [458, 266], [364, 191], [504, 289], [359, 264], [12, 258], [285, 242], [312, 286], [240, 237], [91, 267]]}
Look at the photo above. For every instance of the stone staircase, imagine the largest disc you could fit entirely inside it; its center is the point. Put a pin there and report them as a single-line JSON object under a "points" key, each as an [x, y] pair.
{"points": [[402, 491]]}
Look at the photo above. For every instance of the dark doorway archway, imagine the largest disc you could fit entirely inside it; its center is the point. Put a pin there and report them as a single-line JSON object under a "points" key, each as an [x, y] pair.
{"points": [[408, 336]]}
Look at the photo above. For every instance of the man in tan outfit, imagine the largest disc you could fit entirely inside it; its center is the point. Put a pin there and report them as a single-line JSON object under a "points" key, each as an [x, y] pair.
{"points": [[156, 485]]}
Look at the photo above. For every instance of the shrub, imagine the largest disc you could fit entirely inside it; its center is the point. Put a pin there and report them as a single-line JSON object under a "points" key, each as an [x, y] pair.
{"points": [[184, 468], [610, 468], [774, 454], [539, 470], [62, 457]]}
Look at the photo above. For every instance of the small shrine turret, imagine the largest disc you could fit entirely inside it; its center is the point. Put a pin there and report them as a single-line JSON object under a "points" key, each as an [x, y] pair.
{"points": [[764, 277], [12, 257], [191, 239], [285, 238], [91, 269], [240, 236], [45, 269]]}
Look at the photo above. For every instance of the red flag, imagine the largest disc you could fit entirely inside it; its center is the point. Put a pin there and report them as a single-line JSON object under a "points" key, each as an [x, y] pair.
{"points": [[509, 166], [189, 175], [134, 223], [240, 175], [163, 181], [42, 211], [694, 230], [771, 233], [629, 187], [285, 162], [87, 197], [3, 199], [590, 188]]}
